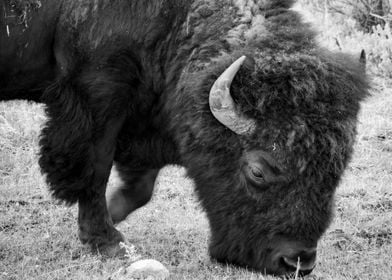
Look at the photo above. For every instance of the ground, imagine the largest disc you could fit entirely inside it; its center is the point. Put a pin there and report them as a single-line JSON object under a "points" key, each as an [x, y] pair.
{"points": [[38, 236]]}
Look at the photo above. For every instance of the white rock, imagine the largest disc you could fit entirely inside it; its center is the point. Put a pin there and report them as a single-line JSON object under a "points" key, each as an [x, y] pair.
{"points": [[145, 269]]}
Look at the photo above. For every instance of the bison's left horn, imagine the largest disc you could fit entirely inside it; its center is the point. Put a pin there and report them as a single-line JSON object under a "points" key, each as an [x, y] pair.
{"points": [[222, 104]]}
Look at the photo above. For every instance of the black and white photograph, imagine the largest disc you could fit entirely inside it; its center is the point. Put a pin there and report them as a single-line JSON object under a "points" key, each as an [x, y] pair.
{"points": [[195, 139]]}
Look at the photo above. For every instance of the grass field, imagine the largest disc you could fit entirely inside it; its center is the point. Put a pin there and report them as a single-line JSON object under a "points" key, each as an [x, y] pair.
{"points": [[38, 236]]}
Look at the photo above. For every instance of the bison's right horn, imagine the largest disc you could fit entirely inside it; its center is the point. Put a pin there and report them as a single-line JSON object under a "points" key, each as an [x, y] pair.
{"points": [[222, 104]]}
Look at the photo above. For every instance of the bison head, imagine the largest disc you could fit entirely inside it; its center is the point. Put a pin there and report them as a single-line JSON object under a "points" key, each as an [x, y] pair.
{"points": [[268, 159]]}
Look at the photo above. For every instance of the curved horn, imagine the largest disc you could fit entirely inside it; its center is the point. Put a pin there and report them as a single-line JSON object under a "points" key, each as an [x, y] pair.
{"points": [[222, 104]]}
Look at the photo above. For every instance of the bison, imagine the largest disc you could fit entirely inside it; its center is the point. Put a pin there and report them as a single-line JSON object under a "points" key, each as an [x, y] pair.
{"points": [[238, 92]]}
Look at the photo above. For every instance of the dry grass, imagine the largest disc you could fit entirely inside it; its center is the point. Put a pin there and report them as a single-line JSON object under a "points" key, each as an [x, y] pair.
{"points": [[38, 237]]}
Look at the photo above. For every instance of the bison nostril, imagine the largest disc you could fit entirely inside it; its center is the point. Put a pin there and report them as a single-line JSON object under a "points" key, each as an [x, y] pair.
{"points": [[304, 261], [287, 265]]}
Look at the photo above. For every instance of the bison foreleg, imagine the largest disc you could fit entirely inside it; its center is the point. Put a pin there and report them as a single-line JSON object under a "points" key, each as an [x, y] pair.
{"points": [[95, 224], [78, 144], [135, 192]]}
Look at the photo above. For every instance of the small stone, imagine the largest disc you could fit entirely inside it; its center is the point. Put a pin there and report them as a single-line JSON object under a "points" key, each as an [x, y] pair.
{"points": [[147, 269]]}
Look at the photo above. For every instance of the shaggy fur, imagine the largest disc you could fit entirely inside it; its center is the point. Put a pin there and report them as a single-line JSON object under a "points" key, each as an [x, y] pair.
{"points": [[129, 83]]}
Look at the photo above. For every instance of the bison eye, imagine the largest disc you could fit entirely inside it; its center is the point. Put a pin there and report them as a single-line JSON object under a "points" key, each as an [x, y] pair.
{"points": [[257, 172], [261, 169]]}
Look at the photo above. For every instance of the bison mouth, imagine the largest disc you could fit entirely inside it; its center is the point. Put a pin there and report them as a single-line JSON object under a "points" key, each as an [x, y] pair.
{"points": [[282, 257], [281, 267]]}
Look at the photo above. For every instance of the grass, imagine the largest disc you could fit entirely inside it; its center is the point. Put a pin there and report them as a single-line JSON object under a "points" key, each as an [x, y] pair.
{"points": [[38, 236]]}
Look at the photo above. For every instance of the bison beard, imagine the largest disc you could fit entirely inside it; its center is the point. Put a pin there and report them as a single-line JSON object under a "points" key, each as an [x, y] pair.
{"points": [[137, 84]]}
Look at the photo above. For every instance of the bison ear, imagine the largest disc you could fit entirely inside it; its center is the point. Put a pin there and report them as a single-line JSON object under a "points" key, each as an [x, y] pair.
{"points": [[222, 104], [362, 58]]}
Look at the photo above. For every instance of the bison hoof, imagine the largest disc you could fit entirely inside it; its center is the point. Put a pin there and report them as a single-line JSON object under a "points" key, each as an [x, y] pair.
{"points": [[114, 250], [101, 244]]}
